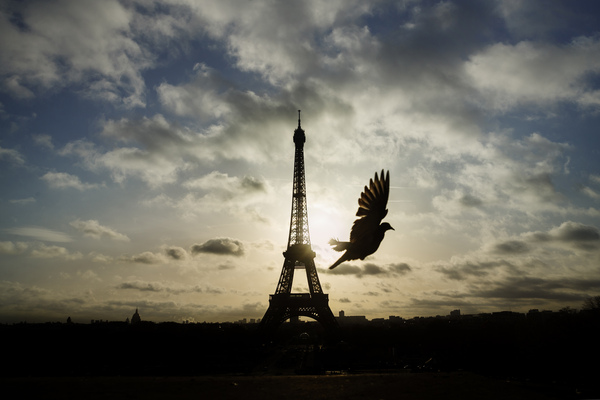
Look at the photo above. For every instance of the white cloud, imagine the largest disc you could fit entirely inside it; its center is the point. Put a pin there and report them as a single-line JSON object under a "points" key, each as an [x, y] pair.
{"points": [[44, 141], [12, 85], [158, 153], [45, 251], [68, 41], [40, 234], [591, 193], [63, 180], [92, 228], [12, 247], [28, 200], [12, 156], [146, 257], [532, 73]]}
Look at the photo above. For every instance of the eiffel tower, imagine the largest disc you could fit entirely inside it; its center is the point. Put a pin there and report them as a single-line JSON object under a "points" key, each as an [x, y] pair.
{"points": [[284, 304]]}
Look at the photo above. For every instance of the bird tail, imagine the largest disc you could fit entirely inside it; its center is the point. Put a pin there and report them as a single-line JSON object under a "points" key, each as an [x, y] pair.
{"points": [[338, 262], [339, 246]]}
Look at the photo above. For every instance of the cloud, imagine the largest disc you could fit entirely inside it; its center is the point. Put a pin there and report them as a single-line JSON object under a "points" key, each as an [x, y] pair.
{"points": [[509, 75], [369, 269], [146, 257], [468, 200], [40, 234], [142, 287], [591, 193], [28, 200], [168, 288], [459, 270], [242, 197], [400, 268], [11, 156], [176, 253], [157, 151], [576, 232], [55, 252], [62, 180], [220, 246], [92, 228], [522, 288], [570, 234], [228, 186], [582, 236], [512, 247], [73, 42], [44, 141], [13, 247], [89, 275]]}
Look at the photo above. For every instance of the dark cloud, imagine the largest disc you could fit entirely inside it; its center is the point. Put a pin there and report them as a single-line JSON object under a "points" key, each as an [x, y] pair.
{"points": [[541, 185], [143, 287], [517, 291], [401, 268], [221, 246], [176, 253], [469, 269], [344, 269], [582, 236], [369, 269], [526, 288], [470, 201], [511, 247], [253, 184], [373, 269], [575, 232], [159, 287]]}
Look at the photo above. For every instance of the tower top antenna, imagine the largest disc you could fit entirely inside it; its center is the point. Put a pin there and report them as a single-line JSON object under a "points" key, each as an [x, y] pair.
{"points": [[299, 136]]}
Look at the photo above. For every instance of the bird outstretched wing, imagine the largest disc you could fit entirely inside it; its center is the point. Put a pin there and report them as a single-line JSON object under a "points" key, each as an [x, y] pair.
{"points": [[371, 207]]}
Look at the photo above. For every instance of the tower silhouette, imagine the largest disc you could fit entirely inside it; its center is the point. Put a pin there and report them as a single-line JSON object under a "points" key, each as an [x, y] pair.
{"points": [[284, 304]]}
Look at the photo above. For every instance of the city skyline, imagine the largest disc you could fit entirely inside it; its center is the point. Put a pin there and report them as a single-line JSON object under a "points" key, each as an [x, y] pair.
{"points": [[146, 155]]}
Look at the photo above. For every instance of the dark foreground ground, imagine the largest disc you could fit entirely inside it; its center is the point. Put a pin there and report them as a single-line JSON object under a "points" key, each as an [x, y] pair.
{"points": [[507, 358], [406, 386]]}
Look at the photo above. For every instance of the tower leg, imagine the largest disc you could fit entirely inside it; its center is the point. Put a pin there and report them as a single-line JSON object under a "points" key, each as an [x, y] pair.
{"points": [[288, 305]]}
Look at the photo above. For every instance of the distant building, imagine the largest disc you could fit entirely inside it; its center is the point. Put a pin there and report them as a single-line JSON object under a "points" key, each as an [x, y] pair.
{"points": [[136, 317], [352, 319], [455, 314]]}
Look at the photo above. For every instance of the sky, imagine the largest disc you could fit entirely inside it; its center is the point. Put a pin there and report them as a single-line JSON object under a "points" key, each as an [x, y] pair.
{"points": [[146, 154]]}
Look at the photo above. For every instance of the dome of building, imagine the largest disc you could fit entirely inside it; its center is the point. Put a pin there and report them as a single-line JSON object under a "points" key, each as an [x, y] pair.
{"points": [[136, 317]]}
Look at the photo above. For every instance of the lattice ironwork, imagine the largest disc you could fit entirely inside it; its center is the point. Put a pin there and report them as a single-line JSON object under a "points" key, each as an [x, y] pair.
{"points": [[299, 255], [299, 233]]}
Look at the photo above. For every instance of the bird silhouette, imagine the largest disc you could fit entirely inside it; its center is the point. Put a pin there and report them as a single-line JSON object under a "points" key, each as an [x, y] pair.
{"points": [[367, 231]]}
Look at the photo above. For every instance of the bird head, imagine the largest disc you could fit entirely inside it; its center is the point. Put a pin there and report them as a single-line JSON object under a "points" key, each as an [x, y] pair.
{"points": [[386, 227]]}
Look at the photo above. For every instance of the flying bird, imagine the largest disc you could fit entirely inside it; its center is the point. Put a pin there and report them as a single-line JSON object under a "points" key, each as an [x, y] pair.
{"points": [[367, 231]]}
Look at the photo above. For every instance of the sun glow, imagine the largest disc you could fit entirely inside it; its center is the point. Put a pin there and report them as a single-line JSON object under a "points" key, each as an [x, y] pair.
{"points": [[325, 223]]}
